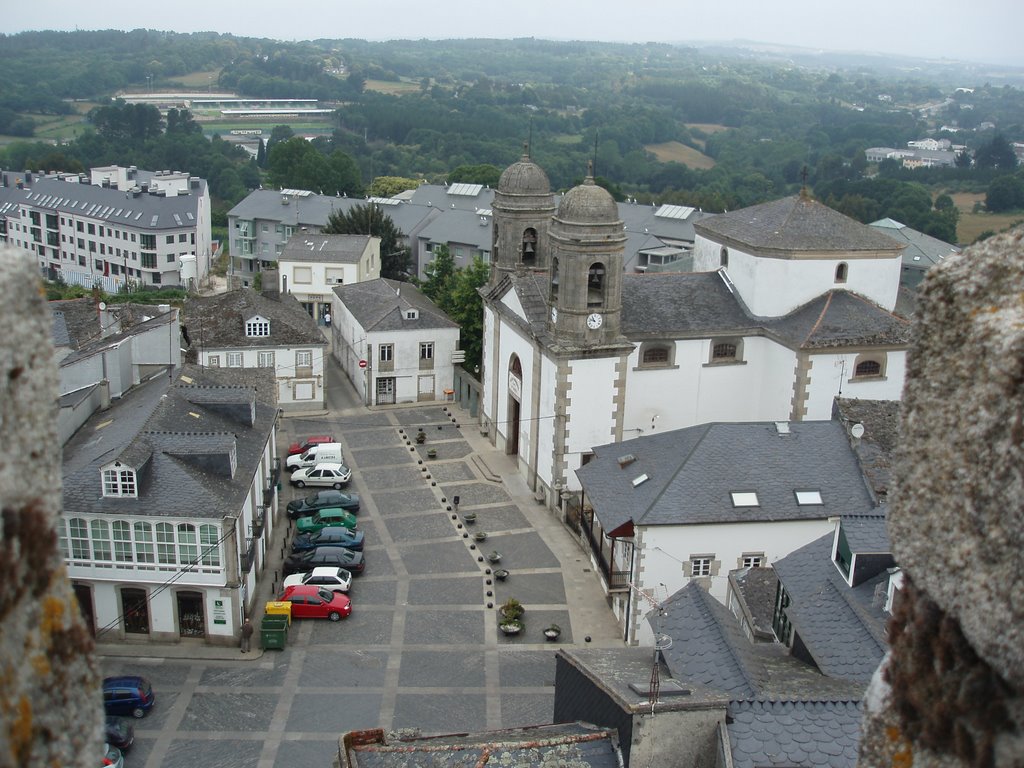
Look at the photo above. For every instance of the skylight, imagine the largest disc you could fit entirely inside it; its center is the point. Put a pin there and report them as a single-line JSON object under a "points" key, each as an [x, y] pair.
{"points": [[808, 498], [745, 499]]}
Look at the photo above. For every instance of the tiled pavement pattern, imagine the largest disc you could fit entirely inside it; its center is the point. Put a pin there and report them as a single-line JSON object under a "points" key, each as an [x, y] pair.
{"points": [[421, 648]]}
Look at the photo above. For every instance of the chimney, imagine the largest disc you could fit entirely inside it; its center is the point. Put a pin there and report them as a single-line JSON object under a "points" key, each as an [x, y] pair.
{"points": [[271, 289]]}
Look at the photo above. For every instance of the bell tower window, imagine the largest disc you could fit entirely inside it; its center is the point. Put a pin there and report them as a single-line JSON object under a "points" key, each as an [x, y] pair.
{"points": [[841, 271], [596, 285], [554, 280], [530, 247]]}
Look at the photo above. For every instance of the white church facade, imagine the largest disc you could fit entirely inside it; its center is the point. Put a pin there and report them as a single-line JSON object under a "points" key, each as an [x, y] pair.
{"points": [[790, 305]]}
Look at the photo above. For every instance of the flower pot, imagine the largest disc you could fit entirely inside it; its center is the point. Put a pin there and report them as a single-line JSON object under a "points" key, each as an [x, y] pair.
{"points": [[469, 518], [511, 626], [494, 557], [480, 535], [501, 574], [432, 453], [552, 632]]}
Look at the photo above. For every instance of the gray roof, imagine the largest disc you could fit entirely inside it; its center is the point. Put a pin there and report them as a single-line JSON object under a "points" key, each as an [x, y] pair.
{"points": [[795, 223], [145, 211], [460, 226], [570, 744], [710, 649], [132, 323], [692, 472], [877, 446], [178, 434], [78, 322], [921, 251], [217, 322], [755, 589], [794, 733], [673, 305], [441, 197], [841, 627], [380, 305], [332, 249]]}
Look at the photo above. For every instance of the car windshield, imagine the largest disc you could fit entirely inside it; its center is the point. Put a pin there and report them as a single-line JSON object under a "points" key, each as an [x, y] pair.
{"points": [[326, 595], [313, 500]]}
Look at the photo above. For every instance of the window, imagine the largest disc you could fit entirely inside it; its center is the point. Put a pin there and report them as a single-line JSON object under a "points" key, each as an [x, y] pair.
{"points": [[656, 355], [386, 352], [867, 368], [808, 498], [213, 361], [257, 327], [119, 482], [265, 359], [122, 531], [723, 257], [304, 358], [210, 546], [144, 543], [752, 560], [170, 239], [426, 350], [723, 351], [188, 548], [726, 351], [744, 499], [700, 566], [170, 257], [100, 540], [234, 359], [595, 285], [183, 237], [841, 270], [79, 536], [165, 544]]}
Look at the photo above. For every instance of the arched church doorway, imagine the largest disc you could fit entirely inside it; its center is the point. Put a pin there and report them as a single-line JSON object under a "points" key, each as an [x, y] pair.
{"points": [[515, 394]]}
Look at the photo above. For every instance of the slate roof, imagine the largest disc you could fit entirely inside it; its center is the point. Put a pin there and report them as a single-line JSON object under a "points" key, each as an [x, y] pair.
{"points": [[380, 305], [755, 589], [710, 649], [574, 745], [842, 628], [147, 211], [132, 324], [796, 223], [794, 733], [664, 305], [921, 251], [79, 321], [692, 472], [182, 430], [331, 249], [218, 322], [460, 226]]}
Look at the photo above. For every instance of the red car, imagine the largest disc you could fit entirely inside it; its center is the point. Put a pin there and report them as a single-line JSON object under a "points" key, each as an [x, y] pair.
{"points": [[306, 443], [312, 602]]}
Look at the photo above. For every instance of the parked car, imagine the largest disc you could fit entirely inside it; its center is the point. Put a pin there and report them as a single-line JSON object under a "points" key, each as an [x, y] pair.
{"points": [[331, 536], [332, 475], [127, 695], [312, 602], [120, 732], [326, 518], [339, 557], [318, 454], [112, 757], [306, 443], [328, 577], [321, 500]]}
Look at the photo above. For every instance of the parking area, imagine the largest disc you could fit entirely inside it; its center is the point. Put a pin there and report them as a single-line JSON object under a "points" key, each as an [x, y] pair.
{"points": [[422, 647]]}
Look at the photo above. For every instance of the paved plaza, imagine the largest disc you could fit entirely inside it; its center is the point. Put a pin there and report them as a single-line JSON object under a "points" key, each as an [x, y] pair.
{"points": [[422, 648]]}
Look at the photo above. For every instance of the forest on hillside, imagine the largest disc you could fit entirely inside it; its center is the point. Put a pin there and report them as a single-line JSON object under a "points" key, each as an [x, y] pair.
{"points": [[764, 128]]}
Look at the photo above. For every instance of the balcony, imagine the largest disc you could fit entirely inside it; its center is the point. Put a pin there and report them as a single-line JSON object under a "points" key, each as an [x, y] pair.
{"points": [[275, 471], [249, 556], [259, 522]]}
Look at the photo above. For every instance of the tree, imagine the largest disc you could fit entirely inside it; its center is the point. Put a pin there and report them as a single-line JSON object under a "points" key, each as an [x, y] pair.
{"points": [[440, 273], [261, 154], [278, 134], [466, 309], [944, 202], [1005, 193], [296, 164], [389, 186], [997, 153], [371, 220], [484, 173]]}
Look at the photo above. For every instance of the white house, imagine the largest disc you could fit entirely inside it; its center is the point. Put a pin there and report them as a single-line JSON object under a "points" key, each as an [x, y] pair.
{"points": [[170, 504], [310, 266], [791, 305], [245, 329], [393, 343], [115, 225], [695, 503]]}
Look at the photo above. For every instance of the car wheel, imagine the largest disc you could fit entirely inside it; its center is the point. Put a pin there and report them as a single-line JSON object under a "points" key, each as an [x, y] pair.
{"points": [[299, 484], [337, 486], [333, 615], [138, 712]]}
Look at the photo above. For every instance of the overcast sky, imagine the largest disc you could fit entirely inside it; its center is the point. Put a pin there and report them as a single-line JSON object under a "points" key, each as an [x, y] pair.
{"points": [[981, 30]]}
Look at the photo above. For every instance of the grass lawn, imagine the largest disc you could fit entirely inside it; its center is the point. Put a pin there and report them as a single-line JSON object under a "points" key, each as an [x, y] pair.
{"points": [[673, 151], [390, 86], [207, 79], [973, 224]]}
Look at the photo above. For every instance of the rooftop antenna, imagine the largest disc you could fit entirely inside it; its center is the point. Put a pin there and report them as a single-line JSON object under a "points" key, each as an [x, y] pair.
{"points": [[662, 642], [803, 182], [593, 163]]}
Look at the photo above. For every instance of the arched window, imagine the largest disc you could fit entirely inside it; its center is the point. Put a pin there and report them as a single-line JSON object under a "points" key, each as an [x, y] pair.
{"points": [[529, 248], [869, 366], [554, 280], [723, 257], [144, 552], [78, 534], [188, 548], [122, 531], [595, 285], [165, 552], [841, 270], [727, 350], [723, 351], [209, 545], [100, 533], [656, 354]]}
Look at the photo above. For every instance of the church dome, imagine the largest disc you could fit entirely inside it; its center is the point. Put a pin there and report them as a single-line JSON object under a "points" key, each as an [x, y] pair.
{"points": [[588, 204], [524, 178]]}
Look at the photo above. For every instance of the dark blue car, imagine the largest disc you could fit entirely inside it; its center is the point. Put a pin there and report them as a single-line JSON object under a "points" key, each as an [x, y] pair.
{"points": [[334, 536], [127, 695]]}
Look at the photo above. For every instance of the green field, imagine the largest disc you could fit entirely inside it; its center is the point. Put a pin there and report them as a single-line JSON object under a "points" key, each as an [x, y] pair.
{"points": [[207, 79], [391, 87], [673, 151], [972, 224]]}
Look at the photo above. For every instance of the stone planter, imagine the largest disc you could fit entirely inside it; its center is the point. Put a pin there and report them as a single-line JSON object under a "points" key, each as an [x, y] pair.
{"points": [[432, 453], [552, 632], [469, 518], [494, 557], [511, 626], [480, 535], [501, 574]]}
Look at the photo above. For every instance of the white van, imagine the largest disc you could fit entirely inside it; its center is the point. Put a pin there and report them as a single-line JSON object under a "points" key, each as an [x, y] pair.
{"points": [[317, 454]]}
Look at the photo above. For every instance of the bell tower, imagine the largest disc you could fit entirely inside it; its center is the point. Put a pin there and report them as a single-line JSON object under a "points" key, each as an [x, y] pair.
{"points": [[521, 215], [587, 252]]}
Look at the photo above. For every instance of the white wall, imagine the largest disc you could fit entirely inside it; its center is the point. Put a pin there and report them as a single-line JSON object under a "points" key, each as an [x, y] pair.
{"points": [[832, 374], [667, 548], [285, 371], [406, 370]]}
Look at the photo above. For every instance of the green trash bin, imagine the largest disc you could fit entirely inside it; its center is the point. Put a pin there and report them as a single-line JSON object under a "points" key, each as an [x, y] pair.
{"points": [[273, 631]]}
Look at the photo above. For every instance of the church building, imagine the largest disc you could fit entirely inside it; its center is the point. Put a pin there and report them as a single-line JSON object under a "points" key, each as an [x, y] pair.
{"points": [[791, 305]]}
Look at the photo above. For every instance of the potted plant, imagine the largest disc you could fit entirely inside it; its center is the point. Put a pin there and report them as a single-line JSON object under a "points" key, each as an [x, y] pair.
{"points": [[421, 436], [511, 626], [494, 557], [501, 574], [432, 453], [552, 631], [469, 518], [480, 535], [511, 609]]}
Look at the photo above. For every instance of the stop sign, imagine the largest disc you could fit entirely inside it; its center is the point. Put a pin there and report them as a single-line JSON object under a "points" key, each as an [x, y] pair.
{"points": [[362, 363]]}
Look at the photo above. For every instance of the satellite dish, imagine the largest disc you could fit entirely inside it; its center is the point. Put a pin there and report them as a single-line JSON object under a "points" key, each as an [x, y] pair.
{"points": [[102, 305], [857, 430]]}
